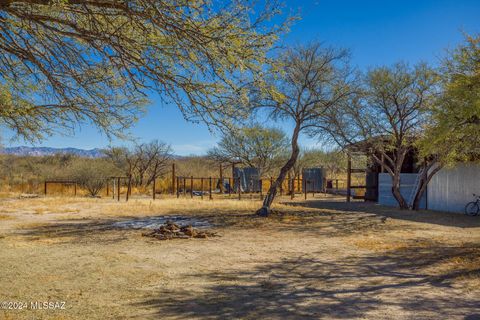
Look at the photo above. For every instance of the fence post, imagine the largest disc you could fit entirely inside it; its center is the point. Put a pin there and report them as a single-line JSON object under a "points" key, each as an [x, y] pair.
{"points": [[230, 187], [201, 187], [325, 181], [191, 187], [173, 179], [305, 187], [118, 189], [299, 186], [107, 188], [313, 188], [178, 189], [239, 189], [261, 189], [45, 189], [221, 179], [349, 177], [292, 193], [153, 189], [210, 188], [251, 188], [184, 187]]}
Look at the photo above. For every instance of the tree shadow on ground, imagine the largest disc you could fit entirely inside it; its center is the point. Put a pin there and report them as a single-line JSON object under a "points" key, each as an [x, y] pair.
{"points": [[392, 285], [423, 216]]}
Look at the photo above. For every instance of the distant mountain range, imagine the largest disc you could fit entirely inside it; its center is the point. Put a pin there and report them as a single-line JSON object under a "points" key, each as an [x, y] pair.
{"points": [[46, 151]]}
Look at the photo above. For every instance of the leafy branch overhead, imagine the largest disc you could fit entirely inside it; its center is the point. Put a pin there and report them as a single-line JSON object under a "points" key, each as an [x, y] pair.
{"points": [[73, 61]]}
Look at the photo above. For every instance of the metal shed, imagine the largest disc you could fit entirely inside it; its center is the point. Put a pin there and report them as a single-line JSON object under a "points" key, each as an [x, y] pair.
{"points": [[315, 178], [249, 179]]}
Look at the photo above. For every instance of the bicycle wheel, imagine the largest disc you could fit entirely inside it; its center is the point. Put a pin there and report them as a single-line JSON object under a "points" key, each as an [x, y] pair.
{"points": [[472, 208]]}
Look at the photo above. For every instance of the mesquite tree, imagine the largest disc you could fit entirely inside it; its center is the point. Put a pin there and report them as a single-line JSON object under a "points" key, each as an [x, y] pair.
{"points": [[307, 82], [72, 61], [253, 146], [387, 118]]}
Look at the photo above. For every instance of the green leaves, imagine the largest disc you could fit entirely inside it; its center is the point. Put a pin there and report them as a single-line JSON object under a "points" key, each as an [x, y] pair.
{"points": [[95, 61], [454, 131]]}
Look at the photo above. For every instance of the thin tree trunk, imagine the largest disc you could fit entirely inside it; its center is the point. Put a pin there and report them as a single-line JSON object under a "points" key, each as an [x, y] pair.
{"points": [[272, 191]]}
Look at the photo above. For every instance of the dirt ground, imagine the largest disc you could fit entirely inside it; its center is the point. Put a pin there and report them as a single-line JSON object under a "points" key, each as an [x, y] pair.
{"points": [[319, 259]]}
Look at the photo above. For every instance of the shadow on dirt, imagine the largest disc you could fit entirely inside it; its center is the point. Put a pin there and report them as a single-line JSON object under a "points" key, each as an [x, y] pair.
{"points": [[423, 216], [307, 288]]}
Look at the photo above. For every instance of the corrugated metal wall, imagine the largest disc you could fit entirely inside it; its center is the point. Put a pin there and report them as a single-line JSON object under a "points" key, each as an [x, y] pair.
{"points": [[407, 181], [450, 189], [314, 177], [249, 179]]}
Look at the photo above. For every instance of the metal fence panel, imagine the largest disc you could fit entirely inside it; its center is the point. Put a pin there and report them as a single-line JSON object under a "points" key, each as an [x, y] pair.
{"points": [[452, 188], [407, 182]]}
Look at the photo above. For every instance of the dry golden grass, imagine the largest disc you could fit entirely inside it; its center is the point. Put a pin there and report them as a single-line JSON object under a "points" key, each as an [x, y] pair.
{"points": [[326, 247]]}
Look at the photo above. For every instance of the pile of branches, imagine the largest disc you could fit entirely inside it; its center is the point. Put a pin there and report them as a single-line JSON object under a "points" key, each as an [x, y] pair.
{"points": [[170, 230]]}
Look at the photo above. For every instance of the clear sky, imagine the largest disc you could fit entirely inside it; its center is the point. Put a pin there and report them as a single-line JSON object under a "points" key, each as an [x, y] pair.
{"points": [[377, 32]]}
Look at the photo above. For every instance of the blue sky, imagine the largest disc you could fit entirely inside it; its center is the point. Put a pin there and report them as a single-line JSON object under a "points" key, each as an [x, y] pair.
{"points": [[377, 32]]}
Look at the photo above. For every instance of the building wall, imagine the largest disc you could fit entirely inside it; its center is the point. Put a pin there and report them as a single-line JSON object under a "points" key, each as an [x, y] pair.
{"points": [[314, 177], [407, 182], [452, 188]]}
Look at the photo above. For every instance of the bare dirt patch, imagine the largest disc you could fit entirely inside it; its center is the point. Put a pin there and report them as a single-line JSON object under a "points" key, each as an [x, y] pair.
{"points": [[312, 260]]}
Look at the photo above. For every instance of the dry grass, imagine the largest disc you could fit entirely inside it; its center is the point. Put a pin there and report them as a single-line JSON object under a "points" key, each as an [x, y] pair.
{"points": [[305, 261]]}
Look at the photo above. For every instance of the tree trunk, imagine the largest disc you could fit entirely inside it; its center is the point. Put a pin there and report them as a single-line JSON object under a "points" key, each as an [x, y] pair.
{"points": [[424, 183], [272, 191], [396, 191]]}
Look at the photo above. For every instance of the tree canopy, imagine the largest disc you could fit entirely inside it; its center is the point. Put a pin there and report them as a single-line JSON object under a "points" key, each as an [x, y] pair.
{"points": [[73, 61], [304, 84], [454, 130], [386, 117], [254, 146]]}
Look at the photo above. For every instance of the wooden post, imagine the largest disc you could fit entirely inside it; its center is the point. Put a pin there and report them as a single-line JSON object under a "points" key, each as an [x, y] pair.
{"points": [[313, 188], [239, 189], [292, 188], [178, 187], [118, 189], [184, 187], [261, 189], [113, 189], [201, 187], [128, 189], [349, 177], [210, 188], [305, 187], [325, 186], [75, 189], [107, 187], [173, 179], [230, 186], [45, 189], [221, 179], [191, 187], [153, 189], [250, 186], [299, 186]]}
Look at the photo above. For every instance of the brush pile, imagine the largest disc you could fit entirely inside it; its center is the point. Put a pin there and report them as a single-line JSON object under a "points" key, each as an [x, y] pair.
{"points": [[170, 230]]}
